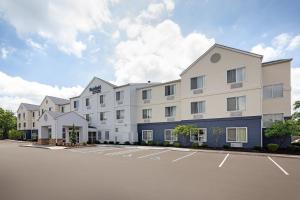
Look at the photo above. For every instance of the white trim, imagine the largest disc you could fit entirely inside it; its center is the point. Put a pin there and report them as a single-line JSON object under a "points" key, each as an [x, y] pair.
{"points": [[172, 136], [244, 75], [236, 141], [199, 136], [149, 131]]}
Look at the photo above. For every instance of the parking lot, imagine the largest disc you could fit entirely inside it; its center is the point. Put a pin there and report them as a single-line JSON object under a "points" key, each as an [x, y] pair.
{"points": [[130, 172]]}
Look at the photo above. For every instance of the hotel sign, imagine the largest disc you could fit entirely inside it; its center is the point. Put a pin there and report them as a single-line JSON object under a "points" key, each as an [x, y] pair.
{"points": [[96, 89]]}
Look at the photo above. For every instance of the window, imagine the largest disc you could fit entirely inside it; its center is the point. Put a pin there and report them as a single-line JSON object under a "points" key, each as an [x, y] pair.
{"points": [[197, 107], [64, 133], [273, 91], [269, 119], [236, 75], [106, 135], [120, 114], [102, 116], [33, 124], [200, 136], [236, 135], [236, 103], [33, 114], [170, 111], [75, 104], [119, 95], [62, 109], [146, 94], [147, 113], [197, 82], [23, 115], [147, 135], [87, 102], [101, 99], [19, 125], [99, 135], [87, 117], [50, 108], [170, 136], [169, 90], [24, 125], [19, 116]]}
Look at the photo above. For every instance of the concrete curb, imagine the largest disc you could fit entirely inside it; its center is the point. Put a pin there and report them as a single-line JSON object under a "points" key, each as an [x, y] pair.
{"points": [[44, 147]]}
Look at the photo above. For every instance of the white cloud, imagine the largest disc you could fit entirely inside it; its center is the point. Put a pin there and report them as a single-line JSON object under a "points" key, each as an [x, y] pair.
{"points": [[280, 45], [116, 35], [59, 21], [170, 5], [4, 52], [295, 74], [15, 90], [34, 45], [157, 53]]}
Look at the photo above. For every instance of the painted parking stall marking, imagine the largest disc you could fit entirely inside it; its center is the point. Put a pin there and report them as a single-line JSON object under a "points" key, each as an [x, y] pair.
{"points": [[221, 164], [154, 154], [123, 152], [281, 168], [183, 157]]}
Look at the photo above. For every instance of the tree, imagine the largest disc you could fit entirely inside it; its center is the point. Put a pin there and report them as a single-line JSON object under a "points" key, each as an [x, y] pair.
{"points": [[283, 129], [7, 122], [73, 136], [186, 130], [217, 132], [15, 134], [296, 114]]}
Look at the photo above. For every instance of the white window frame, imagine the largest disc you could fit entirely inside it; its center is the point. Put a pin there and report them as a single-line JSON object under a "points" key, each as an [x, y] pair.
{"points": [[148, 131], [173, 112], [104, 116], [272, 91], [203, 139], [103, 98], [105, 134], [149, 114], [236, 135], [171, 85], [148, 94], [236, 103], [122, 116], [198, 77], [174, 137], [273, 118], [121, 95], [236, 77], [198, 103]]}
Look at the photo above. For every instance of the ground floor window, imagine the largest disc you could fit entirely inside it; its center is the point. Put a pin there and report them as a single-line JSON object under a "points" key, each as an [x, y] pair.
{"points": [[236, 134], [106, 135], [92, 137], [147, 135], [170, 136], [99, 135], [200, 136]]}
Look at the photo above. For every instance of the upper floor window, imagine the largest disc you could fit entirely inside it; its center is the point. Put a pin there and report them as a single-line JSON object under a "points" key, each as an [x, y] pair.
{"points": [[87, 102], [62, 109], [23, 115], [197, 107], [169, 90], [50, 108], [197, 82], [236, 134], [33, 113], [236, 75], [101, 99], [24, 125], [146, 94], [102, 116], [269, 119], [273, 91], [75, 104], [120, 114], [87, 117], [19, 125], [170, 111], [119, 95], [19, 116], [33, 124], [236, 103], [147, 113]]}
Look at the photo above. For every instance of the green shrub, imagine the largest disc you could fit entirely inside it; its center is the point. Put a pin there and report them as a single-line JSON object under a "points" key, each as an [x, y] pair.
{"points": [[226, 146], [143, 143], [166, 143], [257, 148], [195, 145], [273, 147], [150, 143], [105, 142], [15, 135], [176, 144], [127, 143], [204, 145], [293, 148], [111, 142]]}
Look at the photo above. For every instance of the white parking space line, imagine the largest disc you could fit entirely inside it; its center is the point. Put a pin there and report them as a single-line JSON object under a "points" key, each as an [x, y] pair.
{"points": [[285, 172], [180, 158], [91, 151], [154, 154], [122, 152], [221, 164]]}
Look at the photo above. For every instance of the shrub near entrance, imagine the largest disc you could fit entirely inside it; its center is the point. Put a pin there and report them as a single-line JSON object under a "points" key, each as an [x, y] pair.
{"points": [[273, 147]]}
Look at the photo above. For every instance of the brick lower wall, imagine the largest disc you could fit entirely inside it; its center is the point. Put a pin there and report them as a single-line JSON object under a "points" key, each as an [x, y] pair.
{"points": [[43, 141], [50, 141]]}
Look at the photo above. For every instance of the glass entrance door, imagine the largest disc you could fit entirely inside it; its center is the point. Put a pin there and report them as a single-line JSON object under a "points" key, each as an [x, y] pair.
{"points": [[92, 137]]}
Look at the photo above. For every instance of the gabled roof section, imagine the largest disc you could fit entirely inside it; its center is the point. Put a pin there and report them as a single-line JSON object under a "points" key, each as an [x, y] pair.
{"points": [[223, 47], [30, 107], [54, 114], [58, 101], [108, 83], [276, 62]]}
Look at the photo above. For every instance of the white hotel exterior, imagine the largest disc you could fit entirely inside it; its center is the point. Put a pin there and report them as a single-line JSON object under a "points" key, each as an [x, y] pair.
{"points": [[225, 87]]}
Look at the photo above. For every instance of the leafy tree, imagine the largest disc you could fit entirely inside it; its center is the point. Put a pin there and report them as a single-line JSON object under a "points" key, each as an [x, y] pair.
{"points": [[73, 136], [15, 134], [185, 130], [7, 122], [296, 114], [217, 132], [282, 129]]}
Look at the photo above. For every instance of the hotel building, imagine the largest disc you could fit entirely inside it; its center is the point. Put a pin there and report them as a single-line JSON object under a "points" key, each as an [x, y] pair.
{"points": [[229, 94]]}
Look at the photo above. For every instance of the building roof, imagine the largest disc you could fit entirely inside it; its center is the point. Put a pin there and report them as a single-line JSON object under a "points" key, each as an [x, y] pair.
{"points": [[223, 47], [31, 107], [158, 84], [276, 62], [55, 114], [59, 101]]}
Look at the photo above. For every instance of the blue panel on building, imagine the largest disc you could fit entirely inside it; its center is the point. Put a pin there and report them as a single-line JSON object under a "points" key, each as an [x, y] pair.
{"points": [[252, 123]]}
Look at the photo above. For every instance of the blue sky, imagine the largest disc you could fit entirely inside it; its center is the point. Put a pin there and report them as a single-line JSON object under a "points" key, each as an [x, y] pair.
{"points": [[61, 45]]}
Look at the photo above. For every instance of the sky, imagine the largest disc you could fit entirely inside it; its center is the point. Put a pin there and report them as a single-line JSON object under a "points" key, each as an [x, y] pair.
{"points": [[55, 47]]}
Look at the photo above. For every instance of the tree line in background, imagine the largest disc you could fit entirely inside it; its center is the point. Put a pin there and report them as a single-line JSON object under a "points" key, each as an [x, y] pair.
{"points": [[8, 125]]}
